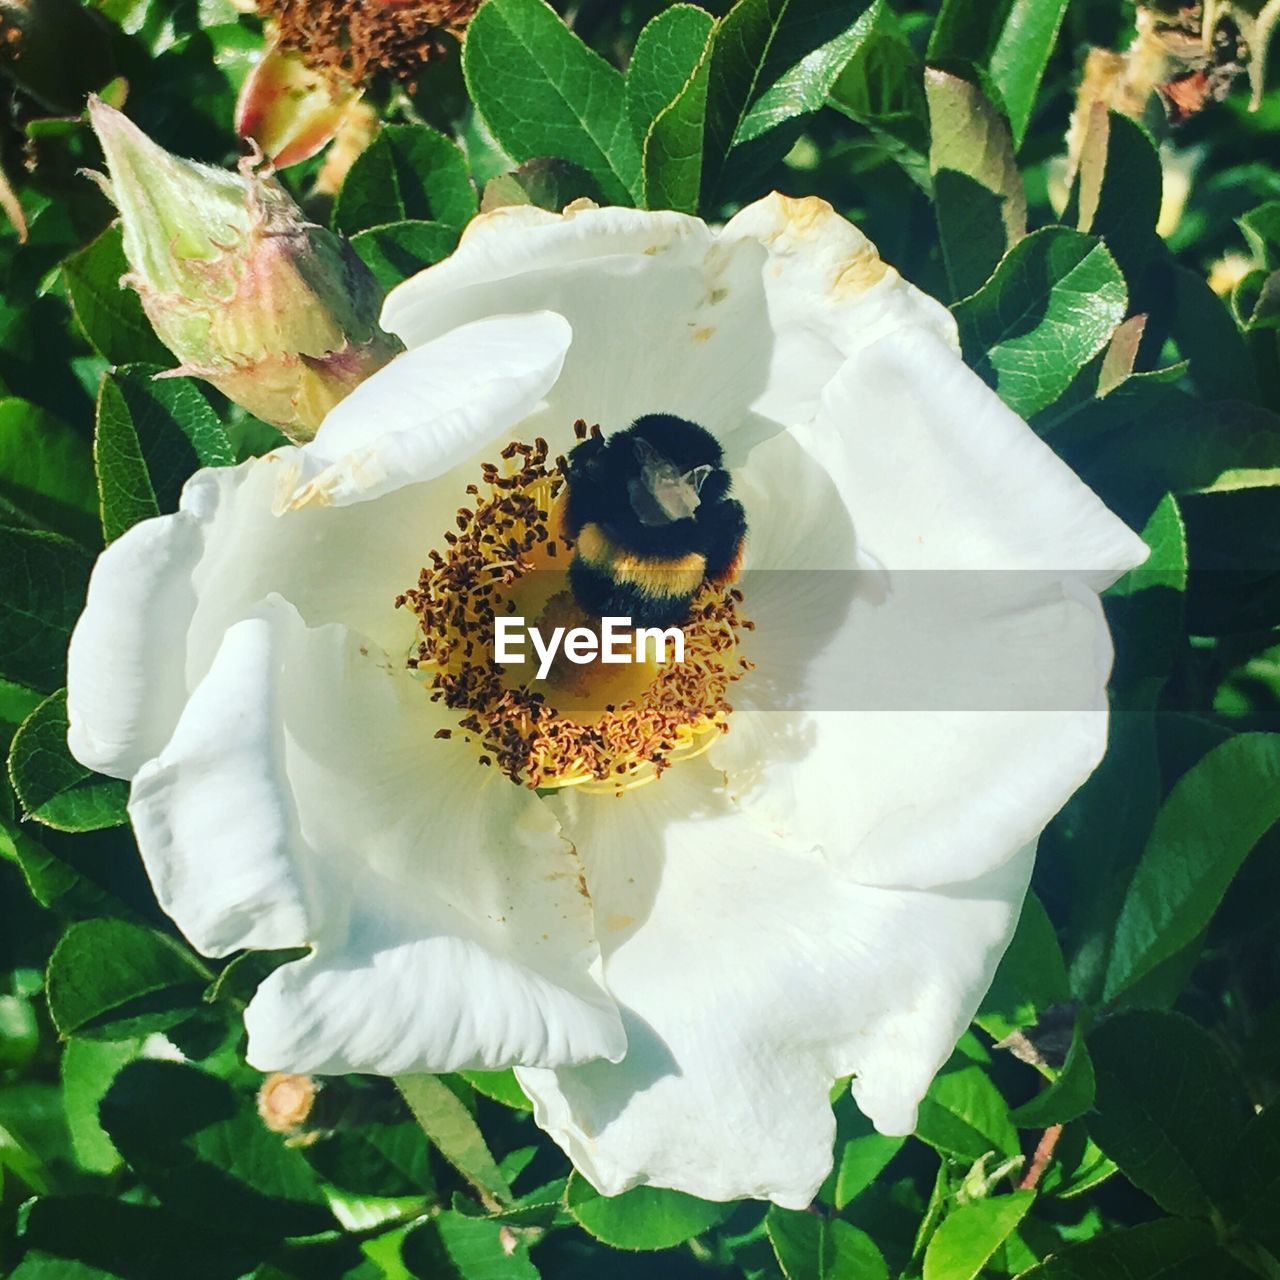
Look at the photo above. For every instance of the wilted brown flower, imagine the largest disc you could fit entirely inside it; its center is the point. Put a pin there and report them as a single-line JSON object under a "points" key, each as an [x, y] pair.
{"points": [[354, 39], [320, 56], [1188, 54]]}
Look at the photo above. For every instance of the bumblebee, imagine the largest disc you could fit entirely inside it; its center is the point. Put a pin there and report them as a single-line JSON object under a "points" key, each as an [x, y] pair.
{"points": [[649, 512]]}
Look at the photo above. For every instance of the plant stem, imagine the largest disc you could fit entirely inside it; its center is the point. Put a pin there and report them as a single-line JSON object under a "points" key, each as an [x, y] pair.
{"points": [[1040, 1160]]}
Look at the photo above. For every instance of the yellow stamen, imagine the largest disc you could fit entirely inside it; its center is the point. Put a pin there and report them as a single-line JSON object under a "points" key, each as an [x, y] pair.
{"points": [[601, 728]]}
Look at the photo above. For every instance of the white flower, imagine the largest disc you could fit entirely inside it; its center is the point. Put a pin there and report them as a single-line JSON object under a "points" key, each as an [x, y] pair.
{"points": [[681, 972]]}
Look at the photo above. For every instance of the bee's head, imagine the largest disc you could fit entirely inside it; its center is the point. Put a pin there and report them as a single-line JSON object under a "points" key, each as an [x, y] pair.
{"points": [[647, 485]]}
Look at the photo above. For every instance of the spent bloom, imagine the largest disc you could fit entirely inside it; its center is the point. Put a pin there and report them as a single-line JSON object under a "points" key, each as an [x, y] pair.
{"points": [[321, 56], [277, 312], [681, 899]]}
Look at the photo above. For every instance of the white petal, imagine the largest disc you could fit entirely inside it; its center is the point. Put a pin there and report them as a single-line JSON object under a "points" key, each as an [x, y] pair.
{"points": [[663, 319], [738, 331], [162, 595], [828, 293], [125, 685], [430, 408], [952, 710], [939, 474], [213, 813], [504, 252], [450, 927], [750, 978]]}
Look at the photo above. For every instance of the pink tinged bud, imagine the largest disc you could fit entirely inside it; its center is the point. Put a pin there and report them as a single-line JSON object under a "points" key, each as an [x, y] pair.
{"points": [[290, 109], [275, 311]]}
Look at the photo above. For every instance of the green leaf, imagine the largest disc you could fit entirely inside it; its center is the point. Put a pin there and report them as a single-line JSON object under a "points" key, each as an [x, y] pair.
{"points": [[19, 1163], [1167, 1108], [809, 1247], [1255, 303], [237, 982], [663, 62], [1117, 191], [152, 434], [46, 473], [546, 182], [1050, 307], [200, 1146], [1261, 228], [673, 147], [109, 980], [372, 1158], [1233, 537], [543, 1207], [1167, 1249], [964, 1115], [1207, 336], [50, 880], [1215, 814], [88, 1067], [401, 249], [542, 92], [643, 1218], [408, 173], [806, 87], [968, 1236], [1252, 1179], [882, 87], [1078, 1165], [96, 1238], [110, 315], [978, 197], [861, 1159], [19, 1034], [52, 786], [754, 45], [501, 1086], [1011, 40], [43, 580], [453, 1131], [17, 702], [1145, 608], [1031, 978], [454, 1246]]}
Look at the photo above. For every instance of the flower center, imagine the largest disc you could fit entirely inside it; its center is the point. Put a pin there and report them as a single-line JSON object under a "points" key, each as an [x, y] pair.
{"points": [[602, 725]]}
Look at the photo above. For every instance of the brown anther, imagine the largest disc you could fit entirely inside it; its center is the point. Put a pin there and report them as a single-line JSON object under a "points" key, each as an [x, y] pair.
{"points": [[460, 591]]}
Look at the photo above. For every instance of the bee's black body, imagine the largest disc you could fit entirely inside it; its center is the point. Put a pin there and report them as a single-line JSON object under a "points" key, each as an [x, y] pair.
{"points": [[650, 513]]}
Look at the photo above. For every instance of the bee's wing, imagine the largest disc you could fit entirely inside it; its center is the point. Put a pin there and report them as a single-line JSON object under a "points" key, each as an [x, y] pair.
{"points": [[661, 494]]}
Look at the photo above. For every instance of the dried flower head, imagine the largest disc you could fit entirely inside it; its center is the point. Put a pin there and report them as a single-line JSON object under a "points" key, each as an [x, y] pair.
{"points": [[355, 39]]}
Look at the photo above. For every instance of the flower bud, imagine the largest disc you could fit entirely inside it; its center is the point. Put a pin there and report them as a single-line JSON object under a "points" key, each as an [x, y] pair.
{"points": [[290, 109], [277, 312], [285, 1101]]}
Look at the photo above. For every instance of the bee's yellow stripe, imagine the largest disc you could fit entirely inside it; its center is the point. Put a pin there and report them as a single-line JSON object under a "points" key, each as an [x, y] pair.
{"points": [[680, 576]]}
